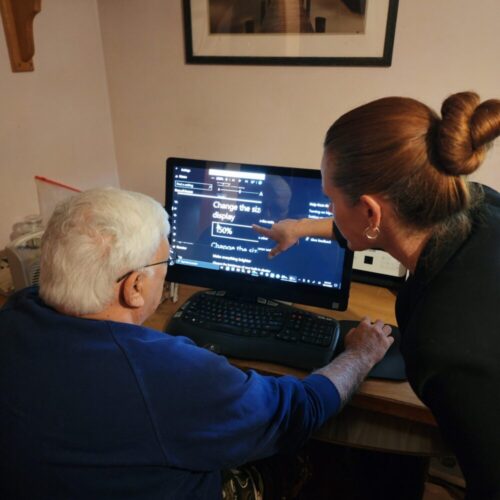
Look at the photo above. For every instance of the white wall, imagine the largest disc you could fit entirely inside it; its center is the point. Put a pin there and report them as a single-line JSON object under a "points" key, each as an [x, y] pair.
{"points": [[278, 115], [55, 121]]}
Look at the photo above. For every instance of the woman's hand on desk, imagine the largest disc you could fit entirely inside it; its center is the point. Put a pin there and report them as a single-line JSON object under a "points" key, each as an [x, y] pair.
{"points": [[365, 346]]}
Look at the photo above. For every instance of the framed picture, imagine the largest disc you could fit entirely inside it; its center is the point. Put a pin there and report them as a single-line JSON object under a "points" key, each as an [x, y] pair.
{"points": [[290, 32]]}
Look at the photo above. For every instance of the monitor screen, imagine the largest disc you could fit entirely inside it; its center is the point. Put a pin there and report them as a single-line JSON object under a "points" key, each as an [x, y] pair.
{"points": [[212, 206]]}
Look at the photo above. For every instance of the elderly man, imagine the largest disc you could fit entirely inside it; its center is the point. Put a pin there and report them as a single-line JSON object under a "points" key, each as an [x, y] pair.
{"points": [[95, 406]]}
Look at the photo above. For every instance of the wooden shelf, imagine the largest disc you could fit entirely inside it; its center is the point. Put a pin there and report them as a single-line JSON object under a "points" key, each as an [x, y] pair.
{"points": [[17, 16]]}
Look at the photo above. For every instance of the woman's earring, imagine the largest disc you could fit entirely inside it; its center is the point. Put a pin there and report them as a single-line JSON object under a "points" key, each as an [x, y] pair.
{"points": [[372, 233]]}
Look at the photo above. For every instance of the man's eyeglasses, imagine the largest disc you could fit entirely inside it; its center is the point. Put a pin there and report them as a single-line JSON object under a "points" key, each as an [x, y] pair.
{"points": [[126, 275]]}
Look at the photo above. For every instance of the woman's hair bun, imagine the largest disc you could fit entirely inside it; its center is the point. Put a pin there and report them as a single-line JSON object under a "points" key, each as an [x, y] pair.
{"points": [[466, 129]]}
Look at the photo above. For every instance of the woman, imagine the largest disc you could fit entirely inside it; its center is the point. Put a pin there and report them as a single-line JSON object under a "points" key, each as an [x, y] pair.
{"points": [[395, 174]]}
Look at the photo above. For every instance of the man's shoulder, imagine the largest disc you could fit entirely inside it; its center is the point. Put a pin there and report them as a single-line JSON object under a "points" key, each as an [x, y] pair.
{"points": [[140, 342], [28, 294], [132, 334]]}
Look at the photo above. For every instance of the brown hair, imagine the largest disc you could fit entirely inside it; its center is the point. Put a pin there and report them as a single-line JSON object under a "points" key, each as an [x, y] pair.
{"points": [[400, 148]]}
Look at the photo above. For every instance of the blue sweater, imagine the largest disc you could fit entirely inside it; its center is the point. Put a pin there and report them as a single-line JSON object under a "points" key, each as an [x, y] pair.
{"points": [[107, 410]]}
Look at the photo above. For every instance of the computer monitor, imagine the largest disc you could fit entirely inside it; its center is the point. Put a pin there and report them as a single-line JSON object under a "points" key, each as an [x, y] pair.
{"points": [[212, 206]]}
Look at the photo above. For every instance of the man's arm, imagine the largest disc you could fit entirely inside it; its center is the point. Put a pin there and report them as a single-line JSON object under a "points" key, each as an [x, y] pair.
{"points": [[365, 346], [288, 232]]}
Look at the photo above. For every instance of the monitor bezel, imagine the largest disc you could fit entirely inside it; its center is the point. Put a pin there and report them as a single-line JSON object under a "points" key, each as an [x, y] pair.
{"points": [[242, 284]]}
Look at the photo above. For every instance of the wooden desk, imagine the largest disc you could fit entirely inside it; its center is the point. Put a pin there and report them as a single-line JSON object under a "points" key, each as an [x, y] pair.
{"points": [[382, 415]]}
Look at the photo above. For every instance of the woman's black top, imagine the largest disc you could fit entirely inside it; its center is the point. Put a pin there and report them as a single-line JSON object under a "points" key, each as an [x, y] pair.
{"points": [[448, 313]]}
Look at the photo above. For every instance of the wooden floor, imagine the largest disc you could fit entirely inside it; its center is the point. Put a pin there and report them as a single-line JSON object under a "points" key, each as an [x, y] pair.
{"points": [[286, 16]]}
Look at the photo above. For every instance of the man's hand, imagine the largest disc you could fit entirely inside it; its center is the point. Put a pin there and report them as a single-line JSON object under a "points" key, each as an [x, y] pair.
{"points": [[365, 346], [369, 341], [284, 233]]}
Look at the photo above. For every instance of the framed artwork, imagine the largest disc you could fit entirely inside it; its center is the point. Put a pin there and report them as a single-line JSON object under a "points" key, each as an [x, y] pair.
{"points": [[290, 32]]}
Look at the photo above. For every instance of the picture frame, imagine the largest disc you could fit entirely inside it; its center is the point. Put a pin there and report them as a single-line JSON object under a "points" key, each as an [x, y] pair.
{"points": [[310, 33]]}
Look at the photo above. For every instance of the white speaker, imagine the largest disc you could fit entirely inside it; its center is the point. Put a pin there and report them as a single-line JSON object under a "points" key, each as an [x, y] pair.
{"points": [[377, 267]]}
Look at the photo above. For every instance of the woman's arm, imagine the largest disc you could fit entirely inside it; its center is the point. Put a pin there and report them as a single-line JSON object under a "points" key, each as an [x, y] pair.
{"points": [[288, 232]]}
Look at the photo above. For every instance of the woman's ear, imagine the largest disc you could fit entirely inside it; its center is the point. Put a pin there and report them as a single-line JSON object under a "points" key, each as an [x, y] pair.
{"points": [[132, 290], [372, 208]]}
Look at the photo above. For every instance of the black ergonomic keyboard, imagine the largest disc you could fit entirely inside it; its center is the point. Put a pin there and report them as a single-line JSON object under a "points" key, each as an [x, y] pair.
{"points": [[257, 328], [265, 330]]}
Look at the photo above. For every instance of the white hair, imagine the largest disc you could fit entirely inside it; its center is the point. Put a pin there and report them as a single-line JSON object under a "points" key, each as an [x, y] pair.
{"points": [[91, 240]]}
